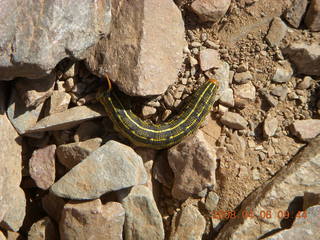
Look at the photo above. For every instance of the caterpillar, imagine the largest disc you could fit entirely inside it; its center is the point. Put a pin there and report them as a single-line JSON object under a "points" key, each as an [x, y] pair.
{"points": [[164, 135]]}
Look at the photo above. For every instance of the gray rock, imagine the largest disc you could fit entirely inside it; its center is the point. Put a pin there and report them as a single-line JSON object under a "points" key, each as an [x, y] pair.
{"points": [[300, 175], [68, 119], [210, 10], [305, 57], [277, 32], [227, 98], [12, 198], [295, 13], [283, 74], [71, 154], [42, 166], [312, 18], [111, 167], [280, 92], [222, 75], [305, 83], [233, 120], [33, 44], [21, 117], [270, 126], [245, 91], [193, 163], [211, 202], [209, 58], [242, 77], [152, 52], [306, 228], [187, 224], [306, 129], [143, 219], [92, 220]]}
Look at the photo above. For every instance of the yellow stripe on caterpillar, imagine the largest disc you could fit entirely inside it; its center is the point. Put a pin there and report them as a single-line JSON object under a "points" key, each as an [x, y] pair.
{"points": [[158, 136]]}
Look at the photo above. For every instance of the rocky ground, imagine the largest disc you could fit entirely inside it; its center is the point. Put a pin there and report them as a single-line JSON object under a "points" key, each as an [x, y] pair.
{"points": [[252, 171]]}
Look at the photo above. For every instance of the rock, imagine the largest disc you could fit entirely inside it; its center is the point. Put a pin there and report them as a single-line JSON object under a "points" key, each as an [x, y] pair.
{"points": [[34, 92], [148, 111], [234, 121], [21, 117], [306, 130], [88, 130], [310, 199], [53, 206], [280, 92], [210, 10], [143, 219], [42, 166], [227, 98], [187, 224], [12, 198], [13, 236], [59, 102], [277, 194], [306, 228], [277, 32], [295, 13], [312, 18], [168, 99], [111, 167], [283, 74], [212, 200], [43, 229], [92, 220], [305, 57], [245, 91], [242, 77], [222, 74], [71, 154], [162, 172], [193, 163], [33, 45], [209, 58], [270, 126], [68, 119], [149, 64], [211, 130], [305, 83]]}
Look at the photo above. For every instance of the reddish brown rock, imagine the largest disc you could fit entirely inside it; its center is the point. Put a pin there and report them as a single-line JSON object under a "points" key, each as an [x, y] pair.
{"points": [[210, 10], [146, 58], [42, 166], [92, 220], [193, 163], [295, 13], [53, 205]]}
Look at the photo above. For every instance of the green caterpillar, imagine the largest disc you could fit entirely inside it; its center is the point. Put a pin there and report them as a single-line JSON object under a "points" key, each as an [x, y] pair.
{"points": [[159, 136]]}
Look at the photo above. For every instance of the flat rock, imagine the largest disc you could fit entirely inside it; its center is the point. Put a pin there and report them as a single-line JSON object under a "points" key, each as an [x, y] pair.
{"points": [[193, 163], [209, 58], [295, 13], [222, 75], [12, 198], [312, 18], [146, 58], [305, 57], [111, 167], [277, 32], [68, 119], [303, 228], [143, 219], [300, 175], [71, 154], [306, 129], [245, 91], [35, 91], [187, 224], [32, 45], [91, 220], [210, 10], [42, 166], [211, 202], [234, 121], [21, 117], [43, 229]]}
